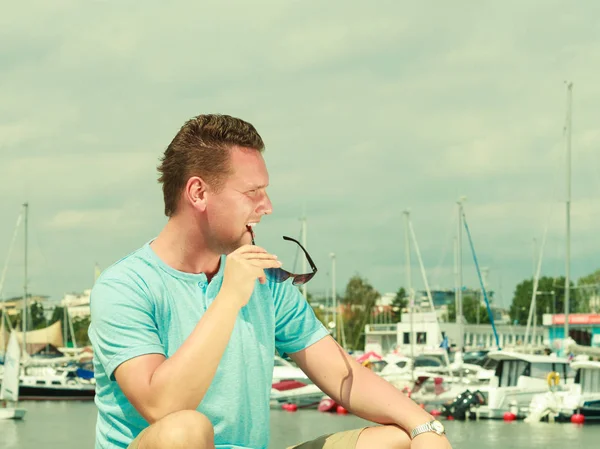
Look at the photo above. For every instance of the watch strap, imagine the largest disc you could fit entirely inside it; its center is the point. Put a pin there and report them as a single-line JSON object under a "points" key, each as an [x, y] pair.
{"points": [[421, 429]]}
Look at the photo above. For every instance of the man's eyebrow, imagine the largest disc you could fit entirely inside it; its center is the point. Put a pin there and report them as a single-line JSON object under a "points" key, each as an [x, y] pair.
{"points": [[257, 187]]}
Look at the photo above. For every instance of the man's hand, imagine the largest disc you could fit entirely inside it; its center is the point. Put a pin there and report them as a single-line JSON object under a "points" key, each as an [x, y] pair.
{"points": [[430, 440], [242, 268]]}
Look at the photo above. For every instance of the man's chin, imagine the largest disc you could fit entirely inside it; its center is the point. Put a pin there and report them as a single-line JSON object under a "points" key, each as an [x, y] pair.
{"points": [[245, 240]]}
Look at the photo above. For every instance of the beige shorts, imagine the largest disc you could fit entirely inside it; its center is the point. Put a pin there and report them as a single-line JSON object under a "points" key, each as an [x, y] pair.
{"points": [[340, 440]]}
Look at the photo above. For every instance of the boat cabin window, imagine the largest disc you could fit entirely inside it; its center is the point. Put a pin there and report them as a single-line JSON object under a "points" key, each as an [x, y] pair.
{"points": [[541, 370], [589, 379], [56, 382], [509, 371], [427, 361], [378, 366], [489, 363], [40, 382]]}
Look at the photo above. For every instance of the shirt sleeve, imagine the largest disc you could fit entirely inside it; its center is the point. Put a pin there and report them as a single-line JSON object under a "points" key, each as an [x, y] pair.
{"points": [[296, 326], [123, 324]]}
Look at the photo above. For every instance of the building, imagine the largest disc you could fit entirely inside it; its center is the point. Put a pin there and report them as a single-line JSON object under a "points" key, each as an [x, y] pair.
{"points": [[78, 304], [584, 328], [428, 333], [443, 299], [446, 297], [386, 338], [14, 306]]}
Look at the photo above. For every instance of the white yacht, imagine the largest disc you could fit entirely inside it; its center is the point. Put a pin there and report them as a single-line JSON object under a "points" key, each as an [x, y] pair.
{"points": [[55, 383], [284, 370], [291, 386], [517, 379], [439, 384], [583, 396]]}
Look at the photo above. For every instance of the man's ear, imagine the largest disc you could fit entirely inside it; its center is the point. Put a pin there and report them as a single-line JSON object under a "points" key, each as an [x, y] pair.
{"points": [[195, 192]]}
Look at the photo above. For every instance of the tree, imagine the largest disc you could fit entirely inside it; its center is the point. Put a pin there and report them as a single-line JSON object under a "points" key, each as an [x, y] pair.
{"points": [[320, 305], [80, 328], [57, 314], [550, 299], [358, 302], [400, 302], [470, 306], [320, 314], [588, 289], [36, 318]]}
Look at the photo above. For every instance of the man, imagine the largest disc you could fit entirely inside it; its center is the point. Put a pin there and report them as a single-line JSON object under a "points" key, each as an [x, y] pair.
{"points": [[184, 335]]}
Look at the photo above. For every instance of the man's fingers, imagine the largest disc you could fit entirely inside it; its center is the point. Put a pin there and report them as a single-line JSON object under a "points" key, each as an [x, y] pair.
{"points": [[265, 263], [258, 256], [249, 249]]}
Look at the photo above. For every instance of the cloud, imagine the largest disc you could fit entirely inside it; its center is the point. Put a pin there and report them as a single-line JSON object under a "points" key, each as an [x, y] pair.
{"points": [[366, 111], [95, 219]]}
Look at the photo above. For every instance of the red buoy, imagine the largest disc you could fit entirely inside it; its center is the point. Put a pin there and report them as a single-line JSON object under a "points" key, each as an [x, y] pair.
{"points": [[285, 385], [509, 416], [577, 418], [341, 410], [289, 407], [435, 412], [327, 405]]}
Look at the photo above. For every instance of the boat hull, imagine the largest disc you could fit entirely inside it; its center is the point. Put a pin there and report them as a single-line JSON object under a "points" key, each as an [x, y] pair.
{"points": [[48, 393], [590, 410]]}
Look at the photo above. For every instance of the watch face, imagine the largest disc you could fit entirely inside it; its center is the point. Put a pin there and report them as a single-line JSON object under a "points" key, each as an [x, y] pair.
{"points": [[437, 426]]}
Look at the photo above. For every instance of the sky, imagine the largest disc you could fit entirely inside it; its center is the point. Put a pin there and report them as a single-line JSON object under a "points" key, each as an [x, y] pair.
{"points": [[366, 110]]}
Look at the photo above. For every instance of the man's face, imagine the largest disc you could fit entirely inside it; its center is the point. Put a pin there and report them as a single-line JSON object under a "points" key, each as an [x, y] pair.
{"points": [[242, 201]]}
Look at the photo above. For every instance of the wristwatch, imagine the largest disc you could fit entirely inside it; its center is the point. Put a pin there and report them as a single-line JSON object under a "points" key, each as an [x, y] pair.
{"points": [[431, 426]]}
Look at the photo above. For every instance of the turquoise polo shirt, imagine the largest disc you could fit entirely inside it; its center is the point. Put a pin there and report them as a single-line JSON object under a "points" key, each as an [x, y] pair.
{"points": [[141, 306]]}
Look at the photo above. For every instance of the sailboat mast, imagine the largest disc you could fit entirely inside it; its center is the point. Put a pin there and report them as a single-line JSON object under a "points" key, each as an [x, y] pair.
{"points": [[411, 302], [304, 268], [459, 303], [334, 297], [25, 294], [65, 325], [568, 210]]}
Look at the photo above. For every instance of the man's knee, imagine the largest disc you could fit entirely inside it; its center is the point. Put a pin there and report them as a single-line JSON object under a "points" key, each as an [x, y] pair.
{"points": [[387, 436], [184, 429]]}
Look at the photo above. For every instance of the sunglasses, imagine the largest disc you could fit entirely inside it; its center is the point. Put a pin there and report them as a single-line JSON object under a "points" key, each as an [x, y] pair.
{"points": [[281, 275]]}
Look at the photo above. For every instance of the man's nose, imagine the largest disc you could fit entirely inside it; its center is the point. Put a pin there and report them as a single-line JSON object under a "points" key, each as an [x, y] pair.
{"points": [[266, 207]]}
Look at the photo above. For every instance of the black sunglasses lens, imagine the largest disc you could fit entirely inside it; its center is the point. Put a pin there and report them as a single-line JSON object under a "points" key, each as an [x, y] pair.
{"points": [[277, 274], [302, 278]]}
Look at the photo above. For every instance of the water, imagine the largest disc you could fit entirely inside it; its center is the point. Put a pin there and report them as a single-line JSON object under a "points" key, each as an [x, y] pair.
{"points": [[70, 425]]}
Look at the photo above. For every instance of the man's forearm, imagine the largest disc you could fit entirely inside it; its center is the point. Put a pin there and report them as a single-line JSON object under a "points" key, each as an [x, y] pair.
{"points": [[358, 388], [371, 397], [182, 380]]}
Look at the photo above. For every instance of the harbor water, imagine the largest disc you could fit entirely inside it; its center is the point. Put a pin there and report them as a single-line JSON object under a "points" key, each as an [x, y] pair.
{"points": [[70, 425]]}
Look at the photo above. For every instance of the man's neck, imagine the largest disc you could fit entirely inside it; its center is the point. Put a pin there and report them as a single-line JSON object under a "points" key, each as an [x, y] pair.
{"points": [[183, 248]]}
